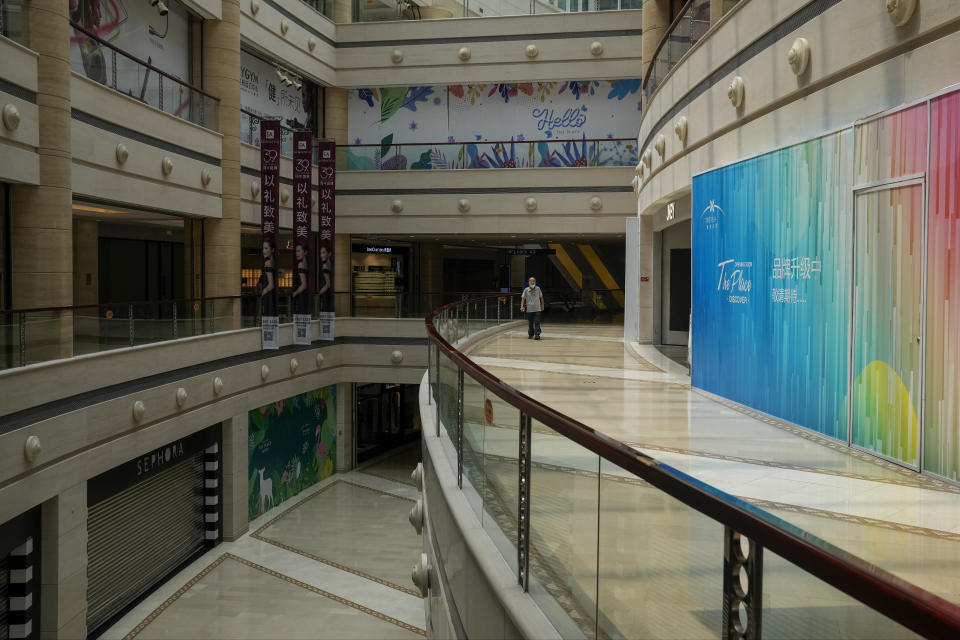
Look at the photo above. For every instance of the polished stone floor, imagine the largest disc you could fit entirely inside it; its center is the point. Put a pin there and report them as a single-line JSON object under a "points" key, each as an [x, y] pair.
{"points": [[644, 565], [333, 562]]}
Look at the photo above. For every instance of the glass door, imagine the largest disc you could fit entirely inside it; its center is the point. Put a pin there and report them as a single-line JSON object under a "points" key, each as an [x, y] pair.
{"points": [[887, 323]]}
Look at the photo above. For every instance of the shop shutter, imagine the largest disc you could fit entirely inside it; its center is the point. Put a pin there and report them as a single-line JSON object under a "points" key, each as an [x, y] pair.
{"points": [[141, 534], [4, 597]]}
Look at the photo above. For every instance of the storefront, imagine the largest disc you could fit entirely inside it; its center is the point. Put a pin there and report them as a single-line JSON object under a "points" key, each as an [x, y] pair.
{"points": [[387, 416], [826, 290], [148, 517], [379, 278]]}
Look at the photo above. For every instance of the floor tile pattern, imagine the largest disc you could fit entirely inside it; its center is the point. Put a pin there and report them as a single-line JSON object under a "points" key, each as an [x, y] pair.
{"points": [[257, 587]]}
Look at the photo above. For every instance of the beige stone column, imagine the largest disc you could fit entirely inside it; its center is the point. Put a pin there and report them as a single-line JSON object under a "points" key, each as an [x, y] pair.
{"points": [[646, 289], [41, 216], [342, 11], [716, 11], [656, 19], [63, 581], [221, 75], [236, 477], [341, 274], [86, 261], [345, 438], [335, 128]]}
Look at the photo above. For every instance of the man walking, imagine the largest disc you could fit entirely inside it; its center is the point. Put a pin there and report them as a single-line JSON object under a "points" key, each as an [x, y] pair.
{"points": [[531, 303]]}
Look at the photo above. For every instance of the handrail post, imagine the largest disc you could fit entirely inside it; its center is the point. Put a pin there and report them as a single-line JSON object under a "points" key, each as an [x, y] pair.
{"points": [[438, 391], [735, 596], [23, 339], [459, 427], [175, 333], [130, 322], [523, 506]]}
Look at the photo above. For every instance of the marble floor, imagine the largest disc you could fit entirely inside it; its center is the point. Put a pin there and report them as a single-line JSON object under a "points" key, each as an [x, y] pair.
{"points": [[333, 562], [656, 573]]}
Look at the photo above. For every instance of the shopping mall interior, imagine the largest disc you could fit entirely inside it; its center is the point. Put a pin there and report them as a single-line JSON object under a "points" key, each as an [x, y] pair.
{"points": [[666, 347]]}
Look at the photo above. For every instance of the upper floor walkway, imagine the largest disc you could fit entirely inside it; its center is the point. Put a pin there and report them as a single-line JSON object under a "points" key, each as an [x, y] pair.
{"points": [[621, 499]]}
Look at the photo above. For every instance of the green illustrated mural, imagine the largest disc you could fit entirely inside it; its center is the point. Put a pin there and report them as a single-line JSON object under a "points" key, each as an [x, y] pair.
{"points": [[291, 445]]}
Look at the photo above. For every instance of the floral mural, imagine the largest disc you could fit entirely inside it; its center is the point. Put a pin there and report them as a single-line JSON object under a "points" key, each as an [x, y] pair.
{"points": [[576, 123], [291, 446]]}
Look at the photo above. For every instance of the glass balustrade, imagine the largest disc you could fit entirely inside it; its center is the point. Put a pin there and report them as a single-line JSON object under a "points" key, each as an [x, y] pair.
{"points": [[612, 544]]}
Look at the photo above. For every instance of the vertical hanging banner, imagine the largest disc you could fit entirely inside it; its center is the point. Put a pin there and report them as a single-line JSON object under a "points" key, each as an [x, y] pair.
{"points": [[302, 205], [327, 174], [269, 221]]}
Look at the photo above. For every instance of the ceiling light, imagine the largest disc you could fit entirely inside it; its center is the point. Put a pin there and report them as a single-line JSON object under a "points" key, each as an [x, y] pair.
{"points": [[162, 8], [281, 75]]}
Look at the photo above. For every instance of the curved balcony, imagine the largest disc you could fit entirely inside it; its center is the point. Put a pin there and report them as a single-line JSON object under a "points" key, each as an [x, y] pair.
{"points": [[576, 534]]}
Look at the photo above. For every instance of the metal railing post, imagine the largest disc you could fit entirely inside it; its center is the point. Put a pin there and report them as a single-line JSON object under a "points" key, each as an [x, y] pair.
{"points": [[175, 319], [459, 427], [438, 391], [130, 322], [23, 339], [523, 506], [498, 312], [736, 597]]}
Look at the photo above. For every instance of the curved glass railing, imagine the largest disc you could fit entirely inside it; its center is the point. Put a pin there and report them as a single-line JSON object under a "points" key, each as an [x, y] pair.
{"points": [[611, 543], [690, 25]]}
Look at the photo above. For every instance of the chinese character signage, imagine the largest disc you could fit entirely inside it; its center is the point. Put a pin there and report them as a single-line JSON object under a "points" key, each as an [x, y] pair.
{"points": [[326, 173], [302, 203], [269, 221]]}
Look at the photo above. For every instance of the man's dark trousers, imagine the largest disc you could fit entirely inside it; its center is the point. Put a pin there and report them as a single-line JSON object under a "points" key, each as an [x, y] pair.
{"points": [[533, 323]]}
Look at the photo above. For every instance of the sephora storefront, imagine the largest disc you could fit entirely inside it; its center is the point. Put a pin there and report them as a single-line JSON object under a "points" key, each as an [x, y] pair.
{"points": [[147, 518]]}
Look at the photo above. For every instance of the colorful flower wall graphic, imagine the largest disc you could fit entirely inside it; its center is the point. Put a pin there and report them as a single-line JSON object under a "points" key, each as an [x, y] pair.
{"points": [[291, 445], [475, 118]]}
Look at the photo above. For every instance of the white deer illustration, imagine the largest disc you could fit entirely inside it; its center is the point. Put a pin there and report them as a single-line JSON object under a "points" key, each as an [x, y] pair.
{"points": [[266, 491]]}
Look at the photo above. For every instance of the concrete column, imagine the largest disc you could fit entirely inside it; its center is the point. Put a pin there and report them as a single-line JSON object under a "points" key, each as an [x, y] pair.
{"points": [[335, 115], [86, 261], [335, 128], [236, 477], [656, 19], [63, 548], [345, 437], [716, 11], [432, 270], [341, 274], [41, 216], [631, 281], [645, 290], [221, 55]]}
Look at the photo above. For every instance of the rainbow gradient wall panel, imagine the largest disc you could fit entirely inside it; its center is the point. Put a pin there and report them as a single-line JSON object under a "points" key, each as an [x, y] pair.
{"points": [[771, 282]]}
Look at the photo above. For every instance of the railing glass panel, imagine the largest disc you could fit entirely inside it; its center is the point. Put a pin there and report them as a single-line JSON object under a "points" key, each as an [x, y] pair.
{"points": [[658, 563], [501, 426], [564, 485]]}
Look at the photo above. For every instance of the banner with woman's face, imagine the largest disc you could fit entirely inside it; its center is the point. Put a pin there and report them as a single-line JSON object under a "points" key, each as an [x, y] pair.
{"points": [[269, 223], [302, 211]]}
